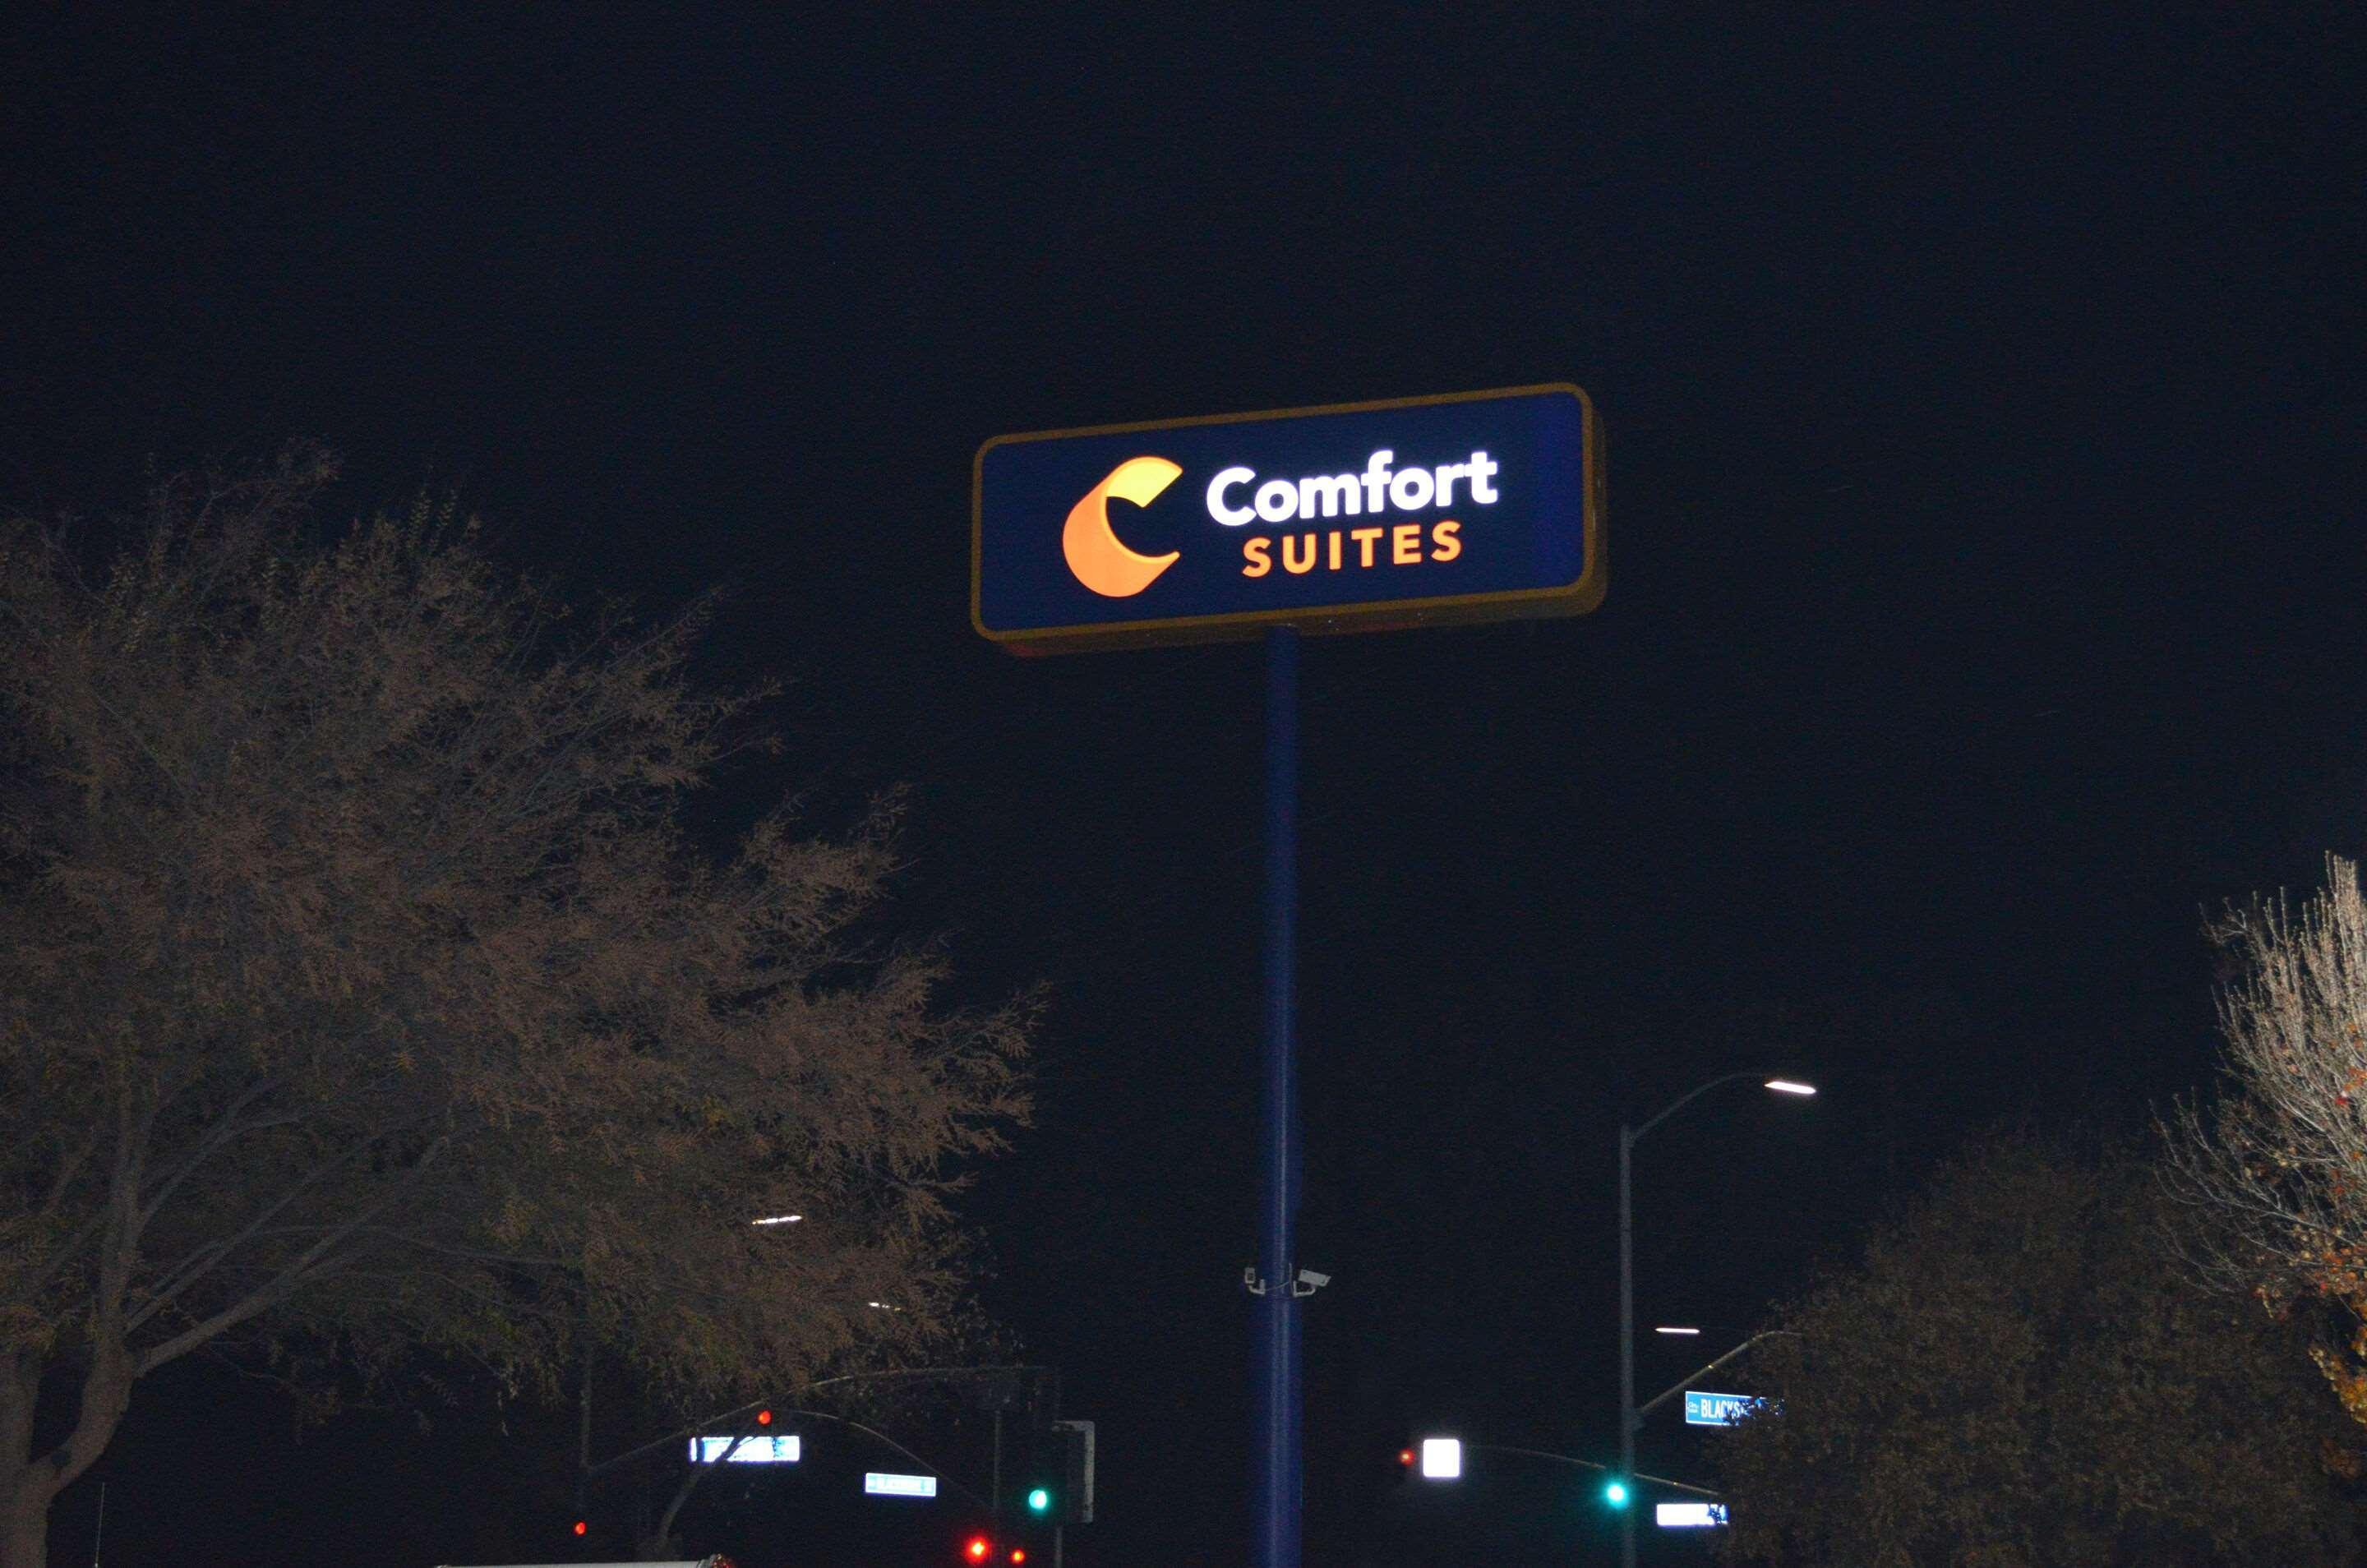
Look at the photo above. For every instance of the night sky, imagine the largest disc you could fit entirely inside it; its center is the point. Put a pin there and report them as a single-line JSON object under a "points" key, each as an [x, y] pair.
{"points": [[1987, 412]]}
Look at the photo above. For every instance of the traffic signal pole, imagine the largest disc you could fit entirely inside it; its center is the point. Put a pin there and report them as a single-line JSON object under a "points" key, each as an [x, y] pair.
{"points": [[1275, 1307]]}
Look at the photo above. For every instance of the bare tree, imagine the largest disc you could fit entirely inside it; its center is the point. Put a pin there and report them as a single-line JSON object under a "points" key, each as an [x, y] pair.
{"points": [[2280, 1158], [361, 991]]}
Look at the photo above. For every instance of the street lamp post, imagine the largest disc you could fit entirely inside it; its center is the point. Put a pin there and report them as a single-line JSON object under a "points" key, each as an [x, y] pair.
{"points": [[1629, 1417]]}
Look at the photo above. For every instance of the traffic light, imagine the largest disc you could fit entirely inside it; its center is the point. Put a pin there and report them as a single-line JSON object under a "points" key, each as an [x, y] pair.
{"points": [[764, 1418], [1615, 1492], [1039, 1501], [978, 1549], [583, 1527]]}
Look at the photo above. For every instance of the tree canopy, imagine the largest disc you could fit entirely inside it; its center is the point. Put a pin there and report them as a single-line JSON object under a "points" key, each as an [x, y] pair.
{"points": [[363, 989], [2020, 1372]]}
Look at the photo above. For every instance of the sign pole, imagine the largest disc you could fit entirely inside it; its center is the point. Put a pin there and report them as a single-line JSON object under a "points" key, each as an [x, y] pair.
{"points": [[1278, 1495], [1369, 516]]}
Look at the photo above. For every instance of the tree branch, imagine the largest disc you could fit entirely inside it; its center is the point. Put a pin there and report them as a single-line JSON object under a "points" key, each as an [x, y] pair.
{"points": [[308, 1267], [312, 1267], [222, 1132], [180, 1276]]}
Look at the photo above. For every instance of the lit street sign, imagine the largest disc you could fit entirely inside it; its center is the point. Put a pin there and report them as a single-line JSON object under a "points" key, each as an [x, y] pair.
{"points": [[887, 1483], [1350, 517], [1703, 1409], [783, 1450], [1688, 1515]]}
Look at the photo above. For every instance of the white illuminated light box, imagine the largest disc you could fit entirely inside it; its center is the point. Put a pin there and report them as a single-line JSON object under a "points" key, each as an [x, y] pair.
{"points": [[1689, 1515], [1441, 1458], [887, 1483], [783, 1450]]}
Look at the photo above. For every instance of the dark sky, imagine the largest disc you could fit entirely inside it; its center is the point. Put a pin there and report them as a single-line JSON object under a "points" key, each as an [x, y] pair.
{"points": [[1986, 398]]}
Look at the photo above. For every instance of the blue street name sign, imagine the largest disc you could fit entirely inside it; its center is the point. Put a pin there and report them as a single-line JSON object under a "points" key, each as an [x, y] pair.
{"points": [[1715, 1409], [1352, 517]]}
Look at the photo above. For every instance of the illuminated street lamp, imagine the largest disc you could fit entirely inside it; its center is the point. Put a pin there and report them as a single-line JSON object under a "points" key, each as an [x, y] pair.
{"points": [[1628, 1415]]}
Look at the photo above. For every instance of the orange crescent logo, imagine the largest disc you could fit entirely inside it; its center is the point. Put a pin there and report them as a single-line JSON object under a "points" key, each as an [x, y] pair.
{"points": [[1095, 552]]}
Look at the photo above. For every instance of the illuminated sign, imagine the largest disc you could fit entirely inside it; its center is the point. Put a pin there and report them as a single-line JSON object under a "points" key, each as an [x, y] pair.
{"points": [[887, 1483], [1688, 1515], [783, 1450], [1355, 517], [1703, 1409], [1441, 1458]]}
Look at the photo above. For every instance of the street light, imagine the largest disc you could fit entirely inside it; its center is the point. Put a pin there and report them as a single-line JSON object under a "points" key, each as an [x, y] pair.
{"points": [[1629, 1418]]}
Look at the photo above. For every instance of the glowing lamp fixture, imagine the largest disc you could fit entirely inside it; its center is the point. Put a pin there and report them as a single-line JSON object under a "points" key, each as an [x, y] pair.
{"points": [[1667, 1328], [778, 1220], [1791, 1086], [1441, 1458]]}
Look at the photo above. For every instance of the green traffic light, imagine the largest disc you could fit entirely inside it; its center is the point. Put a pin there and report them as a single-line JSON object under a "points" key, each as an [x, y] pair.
{"points": [[1038, 1500], [1616, 1494]]}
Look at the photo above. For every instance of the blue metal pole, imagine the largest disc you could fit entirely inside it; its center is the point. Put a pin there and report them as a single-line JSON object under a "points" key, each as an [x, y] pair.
{"points": [[1278, 1485]]}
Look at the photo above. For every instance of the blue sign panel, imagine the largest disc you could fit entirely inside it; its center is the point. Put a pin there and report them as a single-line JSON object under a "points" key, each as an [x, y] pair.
{"points": [[1715, 1409], [1361, 516]]}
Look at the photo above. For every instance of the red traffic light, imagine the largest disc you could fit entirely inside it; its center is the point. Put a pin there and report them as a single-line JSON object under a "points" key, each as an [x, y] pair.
{"points": [[1019, 1554], [978, 1549], [764, 1418], [1405, 1458], [581, 1528]]}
